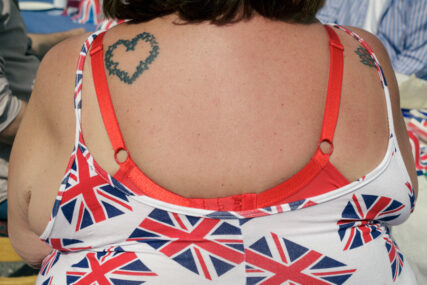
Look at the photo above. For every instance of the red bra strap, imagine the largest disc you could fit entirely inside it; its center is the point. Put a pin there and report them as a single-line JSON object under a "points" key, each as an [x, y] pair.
{"points": [[104, 97], [333, 96]]}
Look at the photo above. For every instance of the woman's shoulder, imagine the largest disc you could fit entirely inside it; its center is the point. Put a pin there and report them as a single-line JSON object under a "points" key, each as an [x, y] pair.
{"points": [[62, 57], [380, 52], [374, 43], [55, 78]]}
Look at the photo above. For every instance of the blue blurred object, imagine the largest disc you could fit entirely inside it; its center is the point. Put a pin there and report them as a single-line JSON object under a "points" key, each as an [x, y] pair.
{"points": [[50, 21], [3, 210]]}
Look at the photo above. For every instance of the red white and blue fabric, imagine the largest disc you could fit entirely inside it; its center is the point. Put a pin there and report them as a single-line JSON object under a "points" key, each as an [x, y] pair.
{"points": [[48, 281], [108, 268], [107, 231], [49, 262], [416, 122], [107, 24], [219, 246], [362, 216], [89, 12], [84, 208], [72, 7], [275, 260], [395, 256]]}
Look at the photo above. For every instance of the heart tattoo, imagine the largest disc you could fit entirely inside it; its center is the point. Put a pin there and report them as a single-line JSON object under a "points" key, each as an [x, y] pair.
{"points": [[143, 65]]}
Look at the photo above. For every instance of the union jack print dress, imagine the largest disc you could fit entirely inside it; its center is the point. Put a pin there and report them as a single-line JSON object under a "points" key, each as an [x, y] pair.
{"points": [[126, 229]]}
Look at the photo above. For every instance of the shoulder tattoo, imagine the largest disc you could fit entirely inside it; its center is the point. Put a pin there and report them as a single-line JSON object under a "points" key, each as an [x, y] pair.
{"points": [[112, 63], [365, 57]]}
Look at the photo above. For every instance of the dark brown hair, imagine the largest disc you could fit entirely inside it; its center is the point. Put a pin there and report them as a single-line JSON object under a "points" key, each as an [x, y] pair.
{"points": [[218, 12]]}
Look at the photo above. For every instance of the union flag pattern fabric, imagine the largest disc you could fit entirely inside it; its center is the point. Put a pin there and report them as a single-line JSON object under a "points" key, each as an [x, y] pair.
{"points": [[48, 281], [395, 256], [275, 260], [362, 217], [104, 202], [411, 195], [105, 232], [218, 249], [108, 268], [49, 262]]}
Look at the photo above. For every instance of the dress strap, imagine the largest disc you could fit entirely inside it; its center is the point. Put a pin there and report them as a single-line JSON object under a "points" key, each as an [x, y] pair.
{"points": [[333, 96], [104, 97]]}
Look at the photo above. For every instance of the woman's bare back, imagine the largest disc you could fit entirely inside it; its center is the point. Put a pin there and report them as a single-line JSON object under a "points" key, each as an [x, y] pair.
{"points": [[235, 109], [224, 110]]}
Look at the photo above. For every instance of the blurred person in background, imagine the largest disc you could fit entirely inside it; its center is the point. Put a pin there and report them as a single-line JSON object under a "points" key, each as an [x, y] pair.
{"points": [[400, 25], [20, 56]]}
